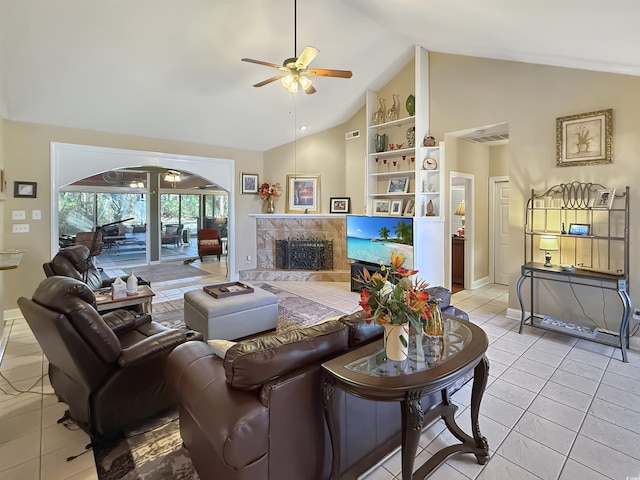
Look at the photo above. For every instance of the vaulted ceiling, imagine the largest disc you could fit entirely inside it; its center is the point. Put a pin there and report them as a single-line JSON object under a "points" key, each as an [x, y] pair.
{"points": [[171, 68]]}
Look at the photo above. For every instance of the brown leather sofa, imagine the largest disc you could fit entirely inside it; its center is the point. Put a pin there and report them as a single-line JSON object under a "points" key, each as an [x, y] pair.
{"points": [[107, 368], [257, 414], [74, 262]]}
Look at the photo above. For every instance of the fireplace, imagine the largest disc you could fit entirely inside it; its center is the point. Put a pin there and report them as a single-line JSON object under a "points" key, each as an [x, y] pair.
{"points": [[304, 254]]}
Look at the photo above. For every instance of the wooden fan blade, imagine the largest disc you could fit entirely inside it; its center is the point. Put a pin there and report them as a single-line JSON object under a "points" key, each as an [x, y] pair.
{"points": [[260, 62], [321, 72], [309, 90], [305, 58], [268, 80]]}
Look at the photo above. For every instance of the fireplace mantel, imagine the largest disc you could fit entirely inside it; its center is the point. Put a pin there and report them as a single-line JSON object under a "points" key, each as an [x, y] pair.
{"points": [[297, 215]]}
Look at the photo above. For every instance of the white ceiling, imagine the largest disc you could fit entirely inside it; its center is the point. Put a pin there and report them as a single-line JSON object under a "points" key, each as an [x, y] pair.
{"points": [[171, 68]]}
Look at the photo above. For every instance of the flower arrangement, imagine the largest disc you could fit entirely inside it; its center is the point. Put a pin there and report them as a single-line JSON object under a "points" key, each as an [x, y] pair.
{"points": [[405, 302], [270, 191]]}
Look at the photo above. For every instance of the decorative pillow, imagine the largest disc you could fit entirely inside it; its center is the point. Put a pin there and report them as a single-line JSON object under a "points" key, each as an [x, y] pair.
{"points": [[171, 230], [220, 347], [209, 243]]}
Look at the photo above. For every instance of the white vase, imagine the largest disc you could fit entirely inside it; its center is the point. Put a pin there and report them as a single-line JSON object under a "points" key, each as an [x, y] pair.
{"points": [[132, 283], [396, 341]]}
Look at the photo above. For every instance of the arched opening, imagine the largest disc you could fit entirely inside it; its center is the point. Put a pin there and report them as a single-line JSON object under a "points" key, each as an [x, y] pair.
{"points": [[70, 163]]}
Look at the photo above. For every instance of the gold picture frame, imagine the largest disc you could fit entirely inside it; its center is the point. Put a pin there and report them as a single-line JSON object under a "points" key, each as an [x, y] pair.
{"points": [[584, 139], [303, 193]]}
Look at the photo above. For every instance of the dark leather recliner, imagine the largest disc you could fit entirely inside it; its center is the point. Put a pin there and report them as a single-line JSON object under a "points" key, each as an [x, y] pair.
{"points": [[107, 368], [74, 262]]}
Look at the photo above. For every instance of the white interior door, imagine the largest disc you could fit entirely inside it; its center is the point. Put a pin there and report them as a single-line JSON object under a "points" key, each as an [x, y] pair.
{"points": [[501, 231]]}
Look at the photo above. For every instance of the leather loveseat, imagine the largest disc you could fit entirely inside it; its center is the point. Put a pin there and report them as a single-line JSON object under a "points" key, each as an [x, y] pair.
{"points": [[257, 414]]}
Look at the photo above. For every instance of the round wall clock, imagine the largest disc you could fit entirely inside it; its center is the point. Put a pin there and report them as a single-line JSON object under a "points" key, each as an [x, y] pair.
{"points": [[429, 164]]}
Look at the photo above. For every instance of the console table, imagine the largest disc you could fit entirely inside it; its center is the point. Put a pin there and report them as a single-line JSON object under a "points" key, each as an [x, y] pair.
{"points": [[367, 373]]}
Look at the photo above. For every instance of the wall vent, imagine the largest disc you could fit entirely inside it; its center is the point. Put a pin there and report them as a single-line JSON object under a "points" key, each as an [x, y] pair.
{"points": [[352, 135]]}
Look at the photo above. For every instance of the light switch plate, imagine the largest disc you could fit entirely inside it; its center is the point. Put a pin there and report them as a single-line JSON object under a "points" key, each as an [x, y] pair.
{"points": [[36, 214], [18, 215], [20, 228]]}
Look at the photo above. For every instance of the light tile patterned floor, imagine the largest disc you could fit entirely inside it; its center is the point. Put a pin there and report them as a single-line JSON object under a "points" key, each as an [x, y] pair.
{"points": [[555, 407]]}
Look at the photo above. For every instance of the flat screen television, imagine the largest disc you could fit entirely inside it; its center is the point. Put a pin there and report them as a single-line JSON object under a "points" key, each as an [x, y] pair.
{"points": [[372, 239]]}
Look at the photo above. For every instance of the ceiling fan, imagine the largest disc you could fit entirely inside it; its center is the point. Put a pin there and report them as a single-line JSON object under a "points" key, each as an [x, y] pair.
{"points": [[296, 72]]}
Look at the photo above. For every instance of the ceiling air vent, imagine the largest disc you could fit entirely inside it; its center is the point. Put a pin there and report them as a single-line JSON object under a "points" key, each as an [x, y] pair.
{"points": [[352, 135]]}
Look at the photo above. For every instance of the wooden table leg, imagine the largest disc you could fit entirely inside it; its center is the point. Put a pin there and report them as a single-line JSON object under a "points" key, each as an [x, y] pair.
{"points": [[328, 386], [412, 420]]}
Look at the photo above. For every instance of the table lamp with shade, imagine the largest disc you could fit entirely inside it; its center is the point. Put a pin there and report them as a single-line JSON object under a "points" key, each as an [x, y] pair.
{"points": [[549, 244], [460, 213]]}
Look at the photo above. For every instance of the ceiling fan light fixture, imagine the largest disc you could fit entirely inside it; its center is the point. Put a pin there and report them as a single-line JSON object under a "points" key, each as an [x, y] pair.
{"points": [[305, 82], [290, 82], [172, 176]]}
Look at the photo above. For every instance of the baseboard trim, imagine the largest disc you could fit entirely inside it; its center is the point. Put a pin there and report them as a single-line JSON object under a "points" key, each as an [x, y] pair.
{"points": [[480, 283], [5, 338], [514, 313], [12, 314]]}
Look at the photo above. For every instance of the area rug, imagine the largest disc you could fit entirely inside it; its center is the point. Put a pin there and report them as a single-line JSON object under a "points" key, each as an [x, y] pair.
{"points": [[168, 271], [294, 311], [151, 452]]}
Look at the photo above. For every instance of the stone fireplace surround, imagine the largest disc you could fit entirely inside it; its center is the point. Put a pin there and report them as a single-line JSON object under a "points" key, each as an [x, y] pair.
{"points": [[272, 227]]}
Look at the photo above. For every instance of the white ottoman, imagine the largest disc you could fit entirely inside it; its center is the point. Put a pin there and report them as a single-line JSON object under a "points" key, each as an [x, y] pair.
{"points": [[232, 317]]}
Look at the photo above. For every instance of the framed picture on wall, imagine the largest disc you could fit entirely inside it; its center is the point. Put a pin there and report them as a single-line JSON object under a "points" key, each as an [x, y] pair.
{"points": [[303, 193], [25, 189], [249, 182], [584, 139]]}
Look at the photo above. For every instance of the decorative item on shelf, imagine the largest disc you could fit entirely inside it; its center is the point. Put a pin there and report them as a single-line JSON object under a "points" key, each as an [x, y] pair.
{"points": [[429, 164], [399, 146], [460, 213], [380, 142], [391, 145], [406, 302], [381, 114], [395, 166], [270, 193], [549, 244], [430, 209], [411, 137], [411, 105], [425, 185], [384, 167], [132, 284], [413, 160], [429, 141], [394, 112]]}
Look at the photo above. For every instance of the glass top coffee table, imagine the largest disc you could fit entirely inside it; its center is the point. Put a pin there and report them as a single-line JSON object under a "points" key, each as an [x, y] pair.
{"points": [[433, 366]]}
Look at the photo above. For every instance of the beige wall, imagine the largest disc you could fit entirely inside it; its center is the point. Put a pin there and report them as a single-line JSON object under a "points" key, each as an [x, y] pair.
{"points": [[467, 92], [3, 194], [27, 156], [499, 161], [320, 154]]}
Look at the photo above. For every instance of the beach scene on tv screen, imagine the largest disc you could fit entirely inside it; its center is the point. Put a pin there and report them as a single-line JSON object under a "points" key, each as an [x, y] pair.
{"points": [[372, 239]]}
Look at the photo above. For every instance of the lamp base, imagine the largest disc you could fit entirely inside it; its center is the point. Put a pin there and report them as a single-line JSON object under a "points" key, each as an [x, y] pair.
{"points": [[547, 260]]}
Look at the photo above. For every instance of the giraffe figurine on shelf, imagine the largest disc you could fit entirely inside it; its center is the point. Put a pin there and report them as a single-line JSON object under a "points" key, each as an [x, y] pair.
{"points": [[379, 116], [394, 112]]}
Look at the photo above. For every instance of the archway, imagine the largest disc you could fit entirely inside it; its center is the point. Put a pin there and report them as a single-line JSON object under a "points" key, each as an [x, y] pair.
{"points": [[70, 163]]}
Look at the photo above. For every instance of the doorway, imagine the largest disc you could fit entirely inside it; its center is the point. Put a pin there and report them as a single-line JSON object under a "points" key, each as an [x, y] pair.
{"points": [[70, 163], [461, 230]]}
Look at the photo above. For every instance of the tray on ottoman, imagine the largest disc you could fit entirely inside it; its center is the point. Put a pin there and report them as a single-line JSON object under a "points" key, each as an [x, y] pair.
{"points": [[227, 289]]}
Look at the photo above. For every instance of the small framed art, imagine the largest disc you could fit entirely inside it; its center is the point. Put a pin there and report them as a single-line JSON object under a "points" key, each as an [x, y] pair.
{"points": [[398, 185], [249, 182], [381, 207], [25, 189], [396, 208], [604, 198], [340, 205], [410, 208]]}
